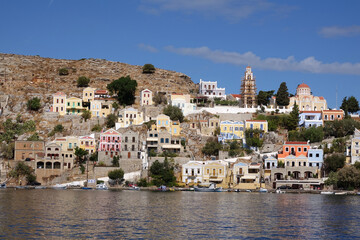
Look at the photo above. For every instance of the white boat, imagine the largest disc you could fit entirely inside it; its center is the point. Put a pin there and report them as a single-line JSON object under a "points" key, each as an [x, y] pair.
{"points": [[134, 188], [59, 186], [327, 193], [279, 191], [211, 188], [340, 193], [102, 186], [263, 190]]}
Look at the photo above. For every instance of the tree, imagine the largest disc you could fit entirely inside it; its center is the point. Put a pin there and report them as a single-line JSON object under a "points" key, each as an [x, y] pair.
{"points": [[94, 157], [159, 98], [86, 115], [115, 105], [235, 149], [148, 68], [142, 182], [23, 170], [211, 148], [96, 128], [163, 173], [263, 97], [116, 175], [63, 71], [333, 162], [34, 137], [174, 113], [254, 137], [80, 155], [350, 105], [115, 161], [58, 128], [293, 120], [34, 104], [83, 81], [282, 95], [314, 134], [8, 150], [124, 88], [110, 121], [348, 178]]}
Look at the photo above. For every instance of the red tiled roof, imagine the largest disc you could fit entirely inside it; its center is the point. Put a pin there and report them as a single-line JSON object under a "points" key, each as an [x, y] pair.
{"points": [[333, 111], [60, 94], [101, 92], [292, 143], [303, 85], [236, 95], [310, 111], [321, 98]]}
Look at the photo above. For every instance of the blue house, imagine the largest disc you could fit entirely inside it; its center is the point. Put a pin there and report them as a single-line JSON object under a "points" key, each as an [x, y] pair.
{"points": [[310, 119], [316, 157]]}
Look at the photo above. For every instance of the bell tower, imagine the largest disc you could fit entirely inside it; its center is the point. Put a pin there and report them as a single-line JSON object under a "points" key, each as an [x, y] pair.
{"points": [[248, 89]]}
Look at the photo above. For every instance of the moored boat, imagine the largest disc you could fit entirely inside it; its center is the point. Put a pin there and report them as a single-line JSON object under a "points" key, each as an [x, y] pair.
{"points": [[58, 186], [263, 190], [211, 188], [101, 186], [340, 193], [327, 193]]}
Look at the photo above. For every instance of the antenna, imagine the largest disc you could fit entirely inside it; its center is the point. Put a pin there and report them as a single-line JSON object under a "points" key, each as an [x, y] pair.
{"points": [[336, 97]]}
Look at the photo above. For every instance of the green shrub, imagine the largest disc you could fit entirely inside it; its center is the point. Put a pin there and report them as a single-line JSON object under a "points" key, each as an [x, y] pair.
{"points": [[63, 71], [34, 104], [83, 81], [148, 68]]}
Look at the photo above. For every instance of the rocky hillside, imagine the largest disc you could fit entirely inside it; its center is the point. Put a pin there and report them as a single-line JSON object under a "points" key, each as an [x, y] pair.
{"points": [[23, 77]]}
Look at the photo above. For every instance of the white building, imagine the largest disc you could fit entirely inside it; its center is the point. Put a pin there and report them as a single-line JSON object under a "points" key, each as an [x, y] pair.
{"points": [[355, 147], [146, 97], [129, 116], [192, 172], [211, 90], [182, 101]]}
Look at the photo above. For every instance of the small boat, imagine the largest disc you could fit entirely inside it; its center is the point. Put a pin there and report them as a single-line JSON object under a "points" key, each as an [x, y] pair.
{"points": [[134, 188], [102, 186], [40, 187], [279, 191], [162, 188], [20, 187], [86, 188], [211, 188], [340, 193], [248, 190], [3, 185], [263, 190], [327, 193], [58, 187]]}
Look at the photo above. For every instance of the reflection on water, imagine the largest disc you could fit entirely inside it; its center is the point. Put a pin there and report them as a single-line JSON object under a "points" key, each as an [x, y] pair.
{"points": [[175, 215]]}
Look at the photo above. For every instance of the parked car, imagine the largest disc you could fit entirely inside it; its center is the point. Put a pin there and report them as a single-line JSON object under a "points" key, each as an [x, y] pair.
{"points": [[284, 187]]}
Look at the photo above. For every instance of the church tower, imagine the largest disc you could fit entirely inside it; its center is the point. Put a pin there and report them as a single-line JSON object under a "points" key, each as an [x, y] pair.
{"points": [[248, 89]]}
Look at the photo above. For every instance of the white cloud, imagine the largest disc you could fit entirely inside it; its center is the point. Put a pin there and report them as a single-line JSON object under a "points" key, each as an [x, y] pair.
{"points": [[230, 9], [336, 31], [147, 48], [309, 64]]}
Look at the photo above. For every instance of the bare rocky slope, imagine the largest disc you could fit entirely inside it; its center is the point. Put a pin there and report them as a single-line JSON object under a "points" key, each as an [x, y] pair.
{"points": [[23, 77]]}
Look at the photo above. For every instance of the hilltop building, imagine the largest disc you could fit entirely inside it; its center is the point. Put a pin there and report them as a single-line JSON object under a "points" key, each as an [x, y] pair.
{"points": [[306, 101], [248, 89], [210, 89]]}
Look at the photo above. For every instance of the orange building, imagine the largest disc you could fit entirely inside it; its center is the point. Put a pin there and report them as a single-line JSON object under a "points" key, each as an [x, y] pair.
{"points": [[332, 115], [294, 148]]}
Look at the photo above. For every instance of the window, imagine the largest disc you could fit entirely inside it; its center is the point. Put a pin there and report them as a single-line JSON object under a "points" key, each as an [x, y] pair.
{"points": [[305, 149], [57, 100], [150, 135], [166, 140], [310, 155], [175, 130], [186, 171], [288, 163], [133, 139], [224, 128], [198, 171], [220, 171], [236, 129], [162, 140], [207, 171], [299, 149], [338, 116], [286, 149], [304, 164], [126, 139], [317, 155], [62, 100]]}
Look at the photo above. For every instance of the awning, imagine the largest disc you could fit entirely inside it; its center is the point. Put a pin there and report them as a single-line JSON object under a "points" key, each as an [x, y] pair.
{"points": [[252, 177], [152, 139], [171, 146]]}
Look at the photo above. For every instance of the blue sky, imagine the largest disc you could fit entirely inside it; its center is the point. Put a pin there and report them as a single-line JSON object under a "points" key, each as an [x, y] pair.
{"points": [[315, 42]]}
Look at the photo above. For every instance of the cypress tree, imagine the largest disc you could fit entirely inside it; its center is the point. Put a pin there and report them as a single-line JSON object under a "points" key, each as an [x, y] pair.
{"points": [[282, 95]]}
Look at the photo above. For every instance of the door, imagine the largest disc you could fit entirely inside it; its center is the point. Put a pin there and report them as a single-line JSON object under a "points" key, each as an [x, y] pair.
{"points": [[129, 154]]}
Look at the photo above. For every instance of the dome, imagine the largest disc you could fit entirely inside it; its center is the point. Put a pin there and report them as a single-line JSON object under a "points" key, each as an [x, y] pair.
{"points": [[303, 85]]}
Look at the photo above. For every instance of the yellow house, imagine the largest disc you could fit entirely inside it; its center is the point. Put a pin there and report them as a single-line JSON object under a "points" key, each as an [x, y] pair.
{"points": [[88, 143], [246, 176], [68, 145], [231, 130], [74, 106], [164, 121], [100, 108], [88, 94], [215, 172], [257, 124], [129, 116], [59, 103]]}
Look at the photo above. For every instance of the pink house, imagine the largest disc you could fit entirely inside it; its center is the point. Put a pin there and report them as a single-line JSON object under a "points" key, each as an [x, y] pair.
{"points": [[110, 142]]}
